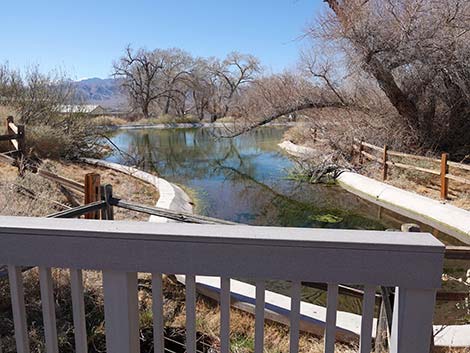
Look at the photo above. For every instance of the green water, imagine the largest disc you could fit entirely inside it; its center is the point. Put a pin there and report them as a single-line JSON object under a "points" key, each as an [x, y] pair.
{"points": [[246, 180]]}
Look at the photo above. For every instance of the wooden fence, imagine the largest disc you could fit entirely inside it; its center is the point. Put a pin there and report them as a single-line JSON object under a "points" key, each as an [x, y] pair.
{"points": [[443, 163], [15, 134]]}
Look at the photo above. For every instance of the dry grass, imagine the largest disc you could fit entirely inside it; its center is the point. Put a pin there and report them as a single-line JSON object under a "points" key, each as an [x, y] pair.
{"points": [[242, 328], [300, 135], [421, 183], [8, 111], [107, 120], [124, 186], [48, 197], [167, 119], [93, 306], [110, 121], [30, 196]]}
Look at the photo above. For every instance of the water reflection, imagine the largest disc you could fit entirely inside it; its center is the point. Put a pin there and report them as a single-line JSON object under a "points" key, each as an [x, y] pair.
{"points": [[244, 179]]}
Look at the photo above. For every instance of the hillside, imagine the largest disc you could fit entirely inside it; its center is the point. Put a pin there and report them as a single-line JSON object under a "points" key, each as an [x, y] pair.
{"points": [[105, 92]]}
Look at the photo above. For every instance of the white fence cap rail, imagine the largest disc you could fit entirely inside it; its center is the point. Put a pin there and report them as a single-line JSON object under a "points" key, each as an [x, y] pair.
{"points": [[330, 256]]}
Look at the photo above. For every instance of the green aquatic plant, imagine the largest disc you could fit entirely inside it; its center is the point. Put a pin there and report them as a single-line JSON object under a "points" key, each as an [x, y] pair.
{"points": [[198, 198], [326, 218]]}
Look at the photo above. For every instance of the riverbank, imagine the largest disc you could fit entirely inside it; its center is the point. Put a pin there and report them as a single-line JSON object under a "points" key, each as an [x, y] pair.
{"points": [[183, 125], [172, 197], [442, 216]]}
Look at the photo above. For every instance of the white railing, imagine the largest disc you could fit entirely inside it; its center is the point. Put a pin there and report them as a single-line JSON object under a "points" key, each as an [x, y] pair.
{"points": [[412, 262]]}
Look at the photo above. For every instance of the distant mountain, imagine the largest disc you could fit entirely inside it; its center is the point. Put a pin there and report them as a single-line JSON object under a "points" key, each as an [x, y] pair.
{"points": [[105, 92]]}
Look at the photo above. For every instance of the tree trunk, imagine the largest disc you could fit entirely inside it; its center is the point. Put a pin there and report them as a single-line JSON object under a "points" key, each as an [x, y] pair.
{"points": [[167, 106], [145, 111]]}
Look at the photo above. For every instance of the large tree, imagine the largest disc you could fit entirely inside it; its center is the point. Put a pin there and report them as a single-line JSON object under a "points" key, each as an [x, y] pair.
{"points": [[400, 66], [418, 52], [229, 78], [153, 77], [172, 82]]}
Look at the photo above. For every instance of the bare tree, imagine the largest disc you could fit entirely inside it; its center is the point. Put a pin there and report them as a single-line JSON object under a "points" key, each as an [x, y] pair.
{"points": [[36, 97], [156, 80], [418, 53], [175, 83], [230, 75], [174, 80], [272, 97], [139, 70], [202, 86]]}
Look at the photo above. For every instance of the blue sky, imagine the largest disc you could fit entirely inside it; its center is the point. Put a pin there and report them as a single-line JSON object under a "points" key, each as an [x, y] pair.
{"points": [[83, 37]]}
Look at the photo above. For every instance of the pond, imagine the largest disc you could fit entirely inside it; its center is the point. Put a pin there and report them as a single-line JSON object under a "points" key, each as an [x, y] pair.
{"points": [[246, 180]]}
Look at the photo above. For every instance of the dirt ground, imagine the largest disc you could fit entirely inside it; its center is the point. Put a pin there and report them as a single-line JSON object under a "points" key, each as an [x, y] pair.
{"points": [[48, 196]]}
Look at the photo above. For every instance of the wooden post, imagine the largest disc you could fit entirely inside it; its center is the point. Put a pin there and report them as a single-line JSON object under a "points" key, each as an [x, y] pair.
{"points": [[21, 141], [384, 161], [21, 154], [106, 195], [315, 135], [92, 193], [361, 148], [8, 130], [444, 180]]}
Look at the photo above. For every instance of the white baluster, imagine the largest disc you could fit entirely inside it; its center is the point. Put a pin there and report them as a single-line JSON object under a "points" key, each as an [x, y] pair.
{"points": [[48, 309], [259, 317], [368, 306], [224, 315], [121, 311], [78, 307], [295, 316], [190, 284], [17, 303], [157, 311], [413, 312], [330, 327]]}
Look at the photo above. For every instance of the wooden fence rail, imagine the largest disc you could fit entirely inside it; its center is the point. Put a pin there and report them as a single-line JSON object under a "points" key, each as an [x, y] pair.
{"points": [[442, 172]]}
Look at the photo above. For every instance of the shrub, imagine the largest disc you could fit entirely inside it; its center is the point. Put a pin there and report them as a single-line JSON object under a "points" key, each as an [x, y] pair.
{"points": [[67, 137]]}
